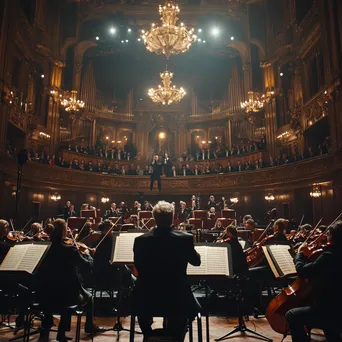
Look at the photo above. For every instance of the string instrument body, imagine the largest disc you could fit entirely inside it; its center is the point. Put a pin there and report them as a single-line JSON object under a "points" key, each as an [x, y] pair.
{"points": [[255, 255]]}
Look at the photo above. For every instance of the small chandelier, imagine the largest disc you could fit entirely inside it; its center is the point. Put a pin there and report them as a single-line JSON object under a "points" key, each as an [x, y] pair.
{"points": [[166, 94], [254, 103], [72, 104], [104, 199], [269, 198], [234, 200], [56, 197], [169, 38], [316, 191]]}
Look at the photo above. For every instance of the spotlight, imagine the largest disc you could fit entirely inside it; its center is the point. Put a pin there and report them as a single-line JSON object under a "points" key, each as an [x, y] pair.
{"points": [[126, 40], [112, 30], [129, 30], [97, 38], [139, 39], [122, 41], [199, 30], [215, 31], [232, 38]]}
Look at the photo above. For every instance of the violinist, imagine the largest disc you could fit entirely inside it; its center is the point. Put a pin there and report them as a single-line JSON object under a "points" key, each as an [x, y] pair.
{"points": [[303, 231], [113, 211], [147, 206], [279, 233], [4, 243], [49, 228], [326, 273], [250, 224], [245, 219], [211, 213], [184, 213], [85, 231], [218, 225], [59, 285]]}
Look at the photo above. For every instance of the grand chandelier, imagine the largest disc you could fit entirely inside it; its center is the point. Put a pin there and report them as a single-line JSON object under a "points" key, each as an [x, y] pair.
{"points": [[71, 104], [254, 103], [166, 94], [169, 38]]}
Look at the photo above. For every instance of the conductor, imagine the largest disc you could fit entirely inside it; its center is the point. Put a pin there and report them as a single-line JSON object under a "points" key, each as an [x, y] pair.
{"points": [[162, 286], [157, 169]]}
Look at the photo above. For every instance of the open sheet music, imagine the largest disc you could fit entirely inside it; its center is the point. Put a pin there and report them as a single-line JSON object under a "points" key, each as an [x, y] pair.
{"points": [[280, 259], [214, 261], [24, 257], [123, 248]]}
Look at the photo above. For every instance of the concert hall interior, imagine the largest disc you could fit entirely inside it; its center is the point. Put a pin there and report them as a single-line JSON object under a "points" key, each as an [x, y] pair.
{"points": [[170, 170]]}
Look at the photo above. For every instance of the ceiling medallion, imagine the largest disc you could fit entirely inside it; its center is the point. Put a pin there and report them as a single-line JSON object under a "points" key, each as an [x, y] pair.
{"points": [[166, 94], [169, 38]]}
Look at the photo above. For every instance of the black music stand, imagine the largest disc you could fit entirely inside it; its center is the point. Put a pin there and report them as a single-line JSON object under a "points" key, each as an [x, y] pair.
{"points": [[241, 327]]}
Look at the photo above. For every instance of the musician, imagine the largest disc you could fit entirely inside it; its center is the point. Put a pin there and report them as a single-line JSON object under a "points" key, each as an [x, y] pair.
{"points": [[238, 256], [72, 212], [250, 224], [245, 219], [279, 233], [86, 231], [326, 274], [162, 286], [156, 172], [147, 206], [218, 225], [49, 228], [197, 201], [113, 211], [4, 245], [59, 284], [211, 202], [137, 206], [184, 213], [66, 210], [35, 229], [211, 213]]}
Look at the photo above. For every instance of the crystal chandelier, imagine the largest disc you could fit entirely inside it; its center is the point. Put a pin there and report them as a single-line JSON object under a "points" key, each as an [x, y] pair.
{"points": [[166, 94], [169, 38], [254, 103], [316, 191], [72, 104]]}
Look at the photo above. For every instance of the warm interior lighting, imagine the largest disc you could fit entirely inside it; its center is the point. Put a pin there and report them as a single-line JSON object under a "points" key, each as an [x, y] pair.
{"points": [[162, 135], [234, 199], [316, 191], [112, 30], [284, 135], [269, 198], [56, 197], [72, 104], [254, 103], [44, 135], [215, 31], [104, 199]]}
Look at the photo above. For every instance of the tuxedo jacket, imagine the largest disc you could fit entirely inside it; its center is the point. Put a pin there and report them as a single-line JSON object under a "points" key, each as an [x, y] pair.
{"points": [[162, 288]]}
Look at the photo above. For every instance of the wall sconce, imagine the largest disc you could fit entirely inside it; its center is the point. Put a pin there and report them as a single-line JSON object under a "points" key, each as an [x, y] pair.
{"points": [[316, 191], [234, 200], [56, 197], [269, 198], [44, 135], [104, 199]]}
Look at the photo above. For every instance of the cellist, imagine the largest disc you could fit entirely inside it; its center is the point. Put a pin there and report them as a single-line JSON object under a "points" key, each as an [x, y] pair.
{"points": [[326, 273]]}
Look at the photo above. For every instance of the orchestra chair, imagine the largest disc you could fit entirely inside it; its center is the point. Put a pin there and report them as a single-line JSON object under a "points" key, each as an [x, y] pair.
{"points": [[228, 213], [76, 222], [244, 234], [88, 213], [208, 224], [200, 214], [217, 215], [161, 335], [256, 234], [97, 220], [226, 221], [197, 223]]}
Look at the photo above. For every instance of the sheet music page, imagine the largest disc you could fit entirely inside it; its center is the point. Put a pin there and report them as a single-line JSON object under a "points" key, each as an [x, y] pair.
{"points": [[242, 243], [124, 247], [13, 258], [217, 261], [284, 259], [202, 269], [31, 258]]}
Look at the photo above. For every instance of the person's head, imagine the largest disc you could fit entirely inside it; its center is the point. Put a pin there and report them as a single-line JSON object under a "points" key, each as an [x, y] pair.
{"points": [[182, 204], [306, 228], [335, 234], [36, 227], [193, 198], [279, 226], [68, 203], [85, 206], [250, 224], [166, 155], [218, 224], [60, 230], [163, 214], [49, 228], [212, 198], [187, 166], [106, 226], [4, 229], [212, 210], [156, 157], [113, 206], [147, 204], [245, 219], [232, 232]]}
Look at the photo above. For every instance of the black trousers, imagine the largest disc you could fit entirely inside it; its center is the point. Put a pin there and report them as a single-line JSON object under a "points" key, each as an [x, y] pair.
{"points": [[310, 317], [174, 326], [153, 180]]}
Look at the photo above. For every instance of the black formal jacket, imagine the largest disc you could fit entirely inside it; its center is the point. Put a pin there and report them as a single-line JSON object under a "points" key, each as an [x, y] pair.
{"points": [[157, 170], [183, 216], [161, 258], [58, 277], [326, 275]]}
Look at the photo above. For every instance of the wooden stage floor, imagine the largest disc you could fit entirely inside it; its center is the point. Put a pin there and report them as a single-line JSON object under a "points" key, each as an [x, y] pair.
{"points": [[218, 326]]}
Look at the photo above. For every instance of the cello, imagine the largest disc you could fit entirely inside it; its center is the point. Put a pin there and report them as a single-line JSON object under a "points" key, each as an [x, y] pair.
{"points": [[298, 294]]}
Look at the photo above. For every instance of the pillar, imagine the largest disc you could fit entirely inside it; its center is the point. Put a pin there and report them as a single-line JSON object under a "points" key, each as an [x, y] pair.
{"points": [[76, 83]]}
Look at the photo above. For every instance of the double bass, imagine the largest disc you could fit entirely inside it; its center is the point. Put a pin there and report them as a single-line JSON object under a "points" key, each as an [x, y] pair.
{"points": [[299, 293]]}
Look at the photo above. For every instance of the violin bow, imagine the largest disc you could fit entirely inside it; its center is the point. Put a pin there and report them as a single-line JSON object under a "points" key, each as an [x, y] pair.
{"points": [[313, 230], [263, 234], [78, 234], [330, 225], [27, 225], [301, 222], [110, 230], [73, 238], [12, 225]]}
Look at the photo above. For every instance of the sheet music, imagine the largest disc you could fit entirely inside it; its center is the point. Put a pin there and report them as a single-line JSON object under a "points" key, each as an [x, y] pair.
{"points": [[214, 261], [23, 257], [242, 243], [123, 251], [284, 259]]}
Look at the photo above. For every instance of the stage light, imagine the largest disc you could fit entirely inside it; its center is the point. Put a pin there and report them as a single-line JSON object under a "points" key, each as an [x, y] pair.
{"points": [[122, 41], [112, 30], [129, 30], [126, 40], [232, 38], [199, 30], [215, 31], [107, 138], [97, 38]]}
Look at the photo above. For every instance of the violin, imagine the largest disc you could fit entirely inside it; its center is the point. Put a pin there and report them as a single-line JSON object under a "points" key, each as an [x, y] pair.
{"points": [[298, 294], [18, 236], [82, 247]]}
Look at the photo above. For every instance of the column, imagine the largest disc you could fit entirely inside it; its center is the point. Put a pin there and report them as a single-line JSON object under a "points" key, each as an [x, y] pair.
{"points": [[229, 134], [76, 83], [92, 139], [247, 76]]}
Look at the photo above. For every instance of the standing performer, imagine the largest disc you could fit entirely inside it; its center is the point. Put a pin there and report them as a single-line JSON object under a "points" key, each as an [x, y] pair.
{"points": [[157, 170]]}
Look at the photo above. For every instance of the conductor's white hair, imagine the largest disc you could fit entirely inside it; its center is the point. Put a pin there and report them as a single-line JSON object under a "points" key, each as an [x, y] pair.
{"points": [[163, 214]]}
